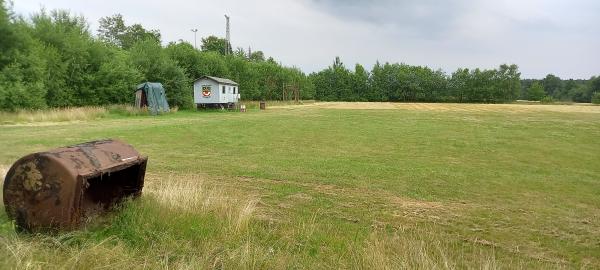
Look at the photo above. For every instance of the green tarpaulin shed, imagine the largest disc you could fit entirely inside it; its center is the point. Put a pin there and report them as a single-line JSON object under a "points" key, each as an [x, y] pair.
{"points": [[153, 96]]}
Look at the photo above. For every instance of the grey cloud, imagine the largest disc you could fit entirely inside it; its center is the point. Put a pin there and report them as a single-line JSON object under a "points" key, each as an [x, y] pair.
{"points": [[425, 19]]}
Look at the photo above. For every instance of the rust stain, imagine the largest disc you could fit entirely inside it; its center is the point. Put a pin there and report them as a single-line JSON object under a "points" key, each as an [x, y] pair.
{"points": [[32, 178]]}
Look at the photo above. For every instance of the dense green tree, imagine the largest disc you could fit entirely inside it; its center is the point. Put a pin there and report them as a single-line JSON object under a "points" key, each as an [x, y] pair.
{"points": [[509, 83], [360, 84], [187, 58], [595, 84], [10, 40], [581, 93], [596, 98], [257, 56], [113, 30], [553, 85], [69, 47], [115, 79], [335, 83], [240, 53], [154, 64], [457, 85], [216, 44], [536, 91]]}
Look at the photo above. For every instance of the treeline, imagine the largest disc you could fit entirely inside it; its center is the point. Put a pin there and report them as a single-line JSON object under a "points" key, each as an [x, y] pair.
{"points": [[553, 87], [401, 82], [51, 59], [405, 83]]}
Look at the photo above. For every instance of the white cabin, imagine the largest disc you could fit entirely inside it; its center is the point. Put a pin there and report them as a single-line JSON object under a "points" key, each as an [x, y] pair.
{"points": [[215, 91]]}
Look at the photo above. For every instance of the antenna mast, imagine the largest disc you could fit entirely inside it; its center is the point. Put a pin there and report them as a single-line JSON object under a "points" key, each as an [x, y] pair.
{"points": [[227, 35]]}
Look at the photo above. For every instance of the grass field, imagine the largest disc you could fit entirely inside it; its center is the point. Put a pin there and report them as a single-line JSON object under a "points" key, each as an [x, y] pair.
{"points": [[336, 185]]}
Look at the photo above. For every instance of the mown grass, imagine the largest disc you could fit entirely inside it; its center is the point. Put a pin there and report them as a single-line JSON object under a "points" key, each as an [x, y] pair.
{"points": [[305, 187]]}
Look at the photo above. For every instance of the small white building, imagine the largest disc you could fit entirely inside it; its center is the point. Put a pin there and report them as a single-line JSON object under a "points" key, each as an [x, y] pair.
{"points": [[215, 92]]}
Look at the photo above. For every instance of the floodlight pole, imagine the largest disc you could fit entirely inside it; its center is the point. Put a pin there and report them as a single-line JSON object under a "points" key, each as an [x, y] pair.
{"points": [[227, 35], [195, 31]]}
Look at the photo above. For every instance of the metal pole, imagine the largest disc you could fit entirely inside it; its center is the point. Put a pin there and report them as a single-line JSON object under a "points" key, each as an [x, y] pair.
{"points": [[195, 31], [227, 35]]}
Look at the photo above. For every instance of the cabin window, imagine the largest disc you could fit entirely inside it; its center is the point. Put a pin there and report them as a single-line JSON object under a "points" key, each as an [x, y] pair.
{"points": [[223, 89], [234, 88]]}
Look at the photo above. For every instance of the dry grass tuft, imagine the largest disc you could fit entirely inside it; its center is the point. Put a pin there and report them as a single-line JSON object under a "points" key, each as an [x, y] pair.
{"points": [[42, 252], [127, 110], [52, 115], [190, 193], [3, 172], [422, 250]]}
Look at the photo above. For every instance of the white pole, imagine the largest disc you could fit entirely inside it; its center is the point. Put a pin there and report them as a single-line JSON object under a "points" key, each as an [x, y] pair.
{"points": [[195, 31]]}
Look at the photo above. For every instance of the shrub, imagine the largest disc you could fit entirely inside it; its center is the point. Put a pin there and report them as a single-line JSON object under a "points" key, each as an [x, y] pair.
{"points": [[596, 98], [536, 91], [547, 100]]}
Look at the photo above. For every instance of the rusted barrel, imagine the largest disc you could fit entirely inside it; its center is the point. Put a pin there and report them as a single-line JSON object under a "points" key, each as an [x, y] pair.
{"points": [[263, 105], [61, 188]]}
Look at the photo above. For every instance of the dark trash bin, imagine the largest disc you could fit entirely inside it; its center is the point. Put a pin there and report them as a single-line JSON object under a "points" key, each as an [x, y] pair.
{"points": [[61, 188], [263, 105]]}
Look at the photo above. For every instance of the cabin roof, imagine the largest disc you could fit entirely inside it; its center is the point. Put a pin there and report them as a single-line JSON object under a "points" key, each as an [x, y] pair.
{"points": [[217, 79]]}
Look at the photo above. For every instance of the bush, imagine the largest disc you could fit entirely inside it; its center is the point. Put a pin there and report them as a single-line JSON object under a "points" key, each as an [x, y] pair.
{"points": [[596, 98], [536, 92], [547, 100]]}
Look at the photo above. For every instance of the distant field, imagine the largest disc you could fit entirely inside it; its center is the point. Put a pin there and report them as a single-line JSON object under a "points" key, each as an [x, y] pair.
{"points": [[458, 107], [336, 185]]}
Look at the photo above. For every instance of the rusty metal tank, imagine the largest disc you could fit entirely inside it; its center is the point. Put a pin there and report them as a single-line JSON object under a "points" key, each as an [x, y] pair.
{"points": [[63, 187]]}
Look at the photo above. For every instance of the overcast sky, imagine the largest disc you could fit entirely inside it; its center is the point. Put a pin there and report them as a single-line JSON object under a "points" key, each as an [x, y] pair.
{"points": [[541, 36]]}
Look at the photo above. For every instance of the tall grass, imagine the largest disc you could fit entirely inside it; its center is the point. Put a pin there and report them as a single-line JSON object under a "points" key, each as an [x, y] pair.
{"points": [[128, 110], [52, 115], [70, 114], [422, 250], [189, 194], [179, 222]]}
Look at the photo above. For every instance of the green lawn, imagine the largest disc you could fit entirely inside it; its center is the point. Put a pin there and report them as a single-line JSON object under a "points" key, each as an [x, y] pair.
{"points": [[309, 187]]}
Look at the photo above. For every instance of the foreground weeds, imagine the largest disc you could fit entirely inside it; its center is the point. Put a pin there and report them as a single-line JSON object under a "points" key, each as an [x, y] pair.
{"points": [[178, 222], [185, 222], [50, 116], [53, 115]]}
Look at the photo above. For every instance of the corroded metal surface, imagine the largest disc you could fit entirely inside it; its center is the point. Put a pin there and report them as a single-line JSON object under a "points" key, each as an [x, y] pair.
{"points": [[63, 187]]}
